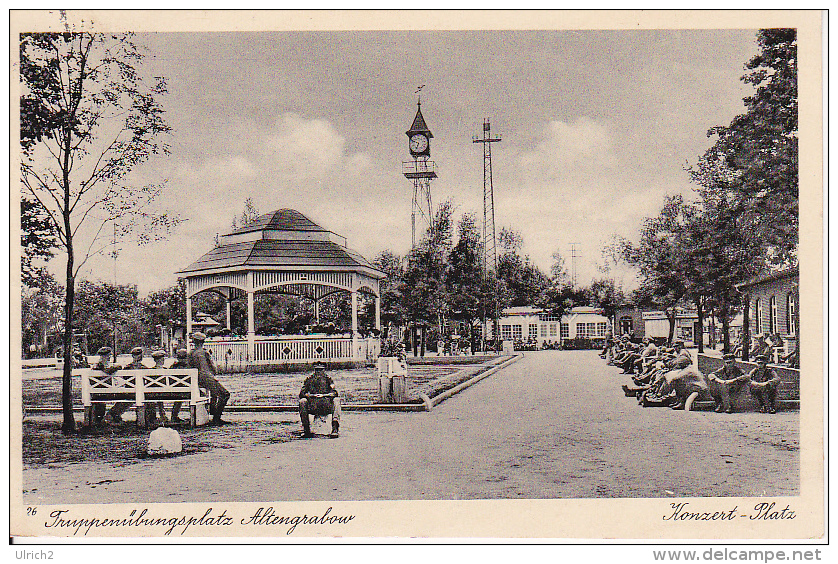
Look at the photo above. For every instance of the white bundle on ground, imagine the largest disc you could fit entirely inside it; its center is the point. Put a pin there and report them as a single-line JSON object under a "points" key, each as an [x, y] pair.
{"points": [[164, 440]]}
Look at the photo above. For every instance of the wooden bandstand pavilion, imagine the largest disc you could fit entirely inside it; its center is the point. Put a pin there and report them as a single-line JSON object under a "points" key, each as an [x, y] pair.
{"points": [[284, 252]]}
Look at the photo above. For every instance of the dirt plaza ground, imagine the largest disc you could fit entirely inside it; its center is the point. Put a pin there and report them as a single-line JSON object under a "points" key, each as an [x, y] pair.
{"points": [[555, 424]]}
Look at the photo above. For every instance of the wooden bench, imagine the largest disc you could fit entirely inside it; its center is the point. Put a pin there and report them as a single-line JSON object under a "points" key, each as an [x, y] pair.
{"points": [[139, 387]]}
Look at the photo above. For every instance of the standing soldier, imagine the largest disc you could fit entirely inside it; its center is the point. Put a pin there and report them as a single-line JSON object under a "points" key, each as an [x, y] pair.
{"points": [[199, 358], [764, 384]]}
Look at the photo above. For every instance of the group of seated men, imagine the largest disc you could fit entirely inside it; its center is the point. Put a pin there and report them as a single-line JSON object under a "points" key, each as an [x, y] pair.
{"points": [[663, 376], [155, 414]]}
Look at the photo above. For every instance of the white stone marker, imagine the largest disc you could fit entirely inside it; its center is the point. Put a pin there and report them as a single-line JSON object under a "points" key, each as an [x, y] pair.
{"points": [[164, 440]]}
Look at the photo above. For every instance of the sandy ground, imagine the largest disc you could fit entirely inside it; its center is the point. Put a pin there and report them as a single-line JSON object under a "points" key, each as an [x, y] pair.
{"points": [[553, 425]]}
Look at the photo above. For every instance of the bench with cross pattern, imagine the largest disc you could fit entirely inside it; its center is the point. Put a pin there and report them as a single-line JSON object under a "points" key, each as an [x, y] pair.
{"points": [[141, 386]]}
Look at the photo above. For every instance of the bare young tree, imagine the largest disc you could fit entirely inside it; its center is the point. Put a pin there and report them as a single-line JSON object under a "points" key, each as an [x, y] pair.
{"points": [[88, 119]]}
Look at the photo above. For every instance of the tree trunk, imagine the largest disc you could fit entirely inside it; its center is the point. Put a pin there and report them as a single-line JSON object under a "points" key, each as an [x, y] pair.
{"points": [[671, 318], [700, 336], [69, 424], [423, 333], [725, 327], [746, 328]]}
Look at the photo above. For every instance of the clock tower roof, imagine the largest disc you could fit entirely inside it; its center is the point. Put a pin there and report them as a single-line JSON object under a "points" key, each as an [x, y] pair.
{"points": [[419, 125]]}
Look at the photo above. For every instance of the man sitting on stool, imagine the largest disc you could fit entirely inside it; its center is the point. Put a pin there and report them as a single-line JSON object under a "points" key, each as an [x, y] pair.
{"points": [[319, 397]]}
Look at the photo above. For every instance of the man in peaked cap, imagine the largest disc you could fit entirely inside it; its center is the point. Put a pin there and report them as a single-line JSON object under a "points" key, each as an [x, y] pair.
{"points": [[136, 364], [103, 365], [319, 397], [727, 381], [155, 412], [764, 384], [199, 358]]}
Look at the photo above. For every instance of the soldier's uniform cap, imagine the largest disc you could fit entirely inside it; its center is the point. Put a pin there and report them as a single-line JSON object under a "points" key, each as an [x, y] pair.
{"points": [[677, 342], [319, 365], [181, 353], [104, 351], [158, 354], [136, 350], [198, 336], [761, 358], [729, 356]]}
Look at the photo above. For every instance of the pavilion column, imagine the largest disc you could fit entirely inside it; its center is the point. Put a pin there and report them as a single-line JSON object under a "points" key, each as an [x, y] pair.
{"points": [[188, 342], [251, 323], [229, 326], [316, 311], [378, 312], [354, 295]]}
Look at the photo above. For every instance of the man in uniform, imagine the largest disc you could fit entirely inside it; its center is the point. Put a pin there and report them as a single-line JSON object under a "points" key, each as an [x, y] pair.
{"points": [[104, 365], [727, 381], [136, 364], [318, 396], [156, 408], [199, 358], [764, 384], [181, 362]]}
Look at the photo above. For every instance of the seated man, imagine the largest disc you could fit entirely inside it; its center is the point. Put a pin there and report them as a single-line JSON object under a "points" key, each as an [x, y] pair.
{"points": [[181, 362], [201, 359], [727, 381], [685, 381], [318, 396], [136, 364], [151, 410], [103, 365], [764, 384]]}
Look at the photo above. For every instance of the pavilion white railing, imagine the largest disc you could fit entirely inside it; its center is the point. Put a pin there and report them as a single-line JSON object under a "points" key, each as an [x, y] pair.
{"points": [[232, 354]]}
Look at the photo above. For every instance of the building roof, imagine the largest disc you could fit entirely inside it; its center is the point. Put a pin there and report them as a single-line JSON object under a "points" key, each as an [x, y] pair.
{"points": [[770, 277], [280, 220], [269, 253], [419, 125]]}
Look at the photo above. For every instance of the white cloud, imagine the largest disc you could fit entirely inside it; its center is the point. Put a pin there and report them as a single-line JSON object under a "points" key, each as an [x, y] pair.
{"points": [[564, 147]]}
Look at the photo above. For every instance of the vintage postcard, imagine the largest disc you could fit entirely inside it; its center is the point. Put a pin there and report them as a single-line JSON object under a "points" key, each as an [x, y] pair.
{"points": [[417, 275]]}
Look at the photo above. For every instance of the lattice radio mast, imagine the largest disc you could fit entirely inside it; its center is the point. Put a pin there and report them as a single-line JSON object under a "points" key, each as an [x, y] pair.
{"points": [[490, 252]]}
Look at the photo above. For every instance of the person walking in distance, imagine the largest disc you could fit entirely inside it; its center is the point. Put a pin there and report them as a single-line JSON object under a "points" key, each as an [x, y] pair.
{"points": [[199, 358]]}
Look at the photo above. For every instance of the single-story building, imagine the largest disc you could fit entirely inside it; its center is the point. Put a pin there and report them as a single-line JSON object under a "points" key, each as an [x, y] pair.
{"points": [[528, 323], [773, 299], [656, 325]]}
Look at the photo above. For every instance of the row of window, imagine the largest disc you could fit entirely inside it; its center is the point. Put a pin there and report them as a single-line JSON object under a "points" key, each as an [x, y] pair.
{"points": [[773, 318], [583, 330]]}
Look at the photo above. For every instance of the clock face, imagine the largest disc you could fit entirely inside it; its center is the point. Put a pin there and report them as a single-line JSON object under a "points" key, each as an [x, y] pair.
{"points": [[418, 143]]}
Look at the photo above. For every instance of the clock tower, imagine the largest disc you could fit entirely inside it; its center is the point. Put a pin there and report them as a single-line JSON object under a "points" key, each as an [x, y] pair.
{"points": [[420, 170]]}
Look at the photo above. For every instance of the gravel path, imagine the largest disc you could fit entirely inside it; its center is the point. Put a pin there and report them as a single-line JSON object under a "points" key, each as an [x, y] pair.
{"points": [[553, 425]]}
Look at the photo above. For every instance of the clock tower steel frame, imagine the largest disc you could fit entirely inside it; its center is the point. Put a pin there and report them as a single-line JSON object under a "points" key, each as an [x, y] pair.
{"points": [[420, 170]]}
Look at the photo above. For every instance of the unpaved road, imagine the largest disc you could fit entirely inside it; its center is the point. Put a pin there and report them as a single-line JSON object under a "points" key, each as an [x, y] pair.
{"points": [[553, 425]]}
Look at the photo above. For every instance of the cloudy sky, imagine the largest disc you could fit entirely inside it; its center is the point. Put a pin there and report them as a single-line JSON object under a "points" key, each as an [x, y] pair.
{"points": [[597, 128]]}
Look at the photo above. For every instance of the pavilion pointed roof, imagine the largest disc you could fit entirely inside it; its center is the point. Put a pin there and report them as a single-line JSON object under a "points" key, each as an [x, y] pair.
{"points": [[280, 220], [419, 125], [282, 239]]}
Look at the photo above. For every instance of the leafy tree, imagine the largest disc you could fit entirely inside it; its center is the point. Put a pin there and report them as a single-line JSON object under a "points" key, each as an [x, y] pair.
{"points": [[558, 271], [662, 259], [424, 288], [42, 298], [469, 289], [248, 215], [37, 239], [606, 295], [392, 308], [755, 158], [88, 119], [522, 282]]}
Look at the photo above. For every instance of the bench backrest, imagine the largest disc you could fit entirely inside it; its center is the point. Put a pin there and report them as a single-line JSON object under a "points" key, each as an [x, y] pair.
{"points": [[137, 383]]}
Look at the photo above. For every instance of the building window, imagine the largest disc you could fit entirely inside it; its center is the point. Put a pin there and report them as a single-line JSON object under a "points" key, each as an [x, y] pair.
{"points": [[757, 317], [601, 328], [591, 329], [772, 315], [791, 320], [517, 332], [565, 330], [506, 332], [626, 324], [553, 329], [543, 329], [547, 317], [581, 331], [533, 331]]}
